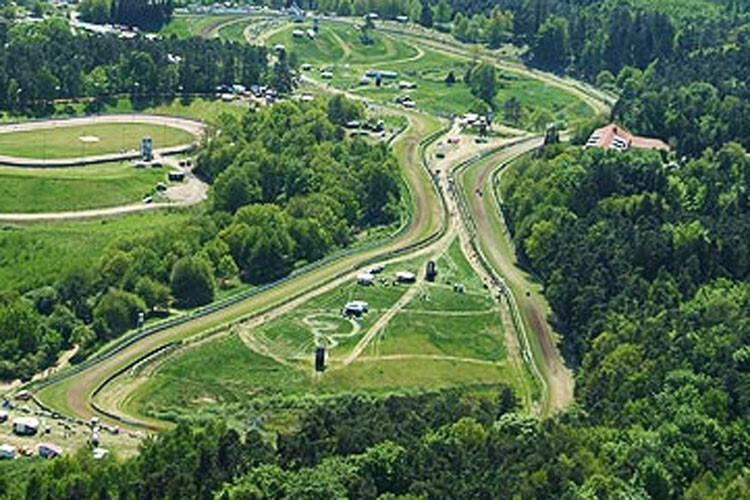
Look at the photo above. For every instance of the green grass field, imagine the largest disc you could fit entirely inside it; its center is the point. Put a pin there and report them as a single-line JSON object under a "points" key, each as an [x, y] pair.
{"points": [[36, 255], [29, 190], [421, 348], [339, 49], [338, 44], [186, 26], [69, 141]]}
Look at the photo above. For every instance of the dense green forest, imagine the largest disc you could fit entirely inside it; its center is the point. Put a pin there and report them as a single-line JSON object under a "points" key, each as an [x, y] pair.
{"points": [[44, 61], [448, 444], [149, 15], [288, 190], [644, 260]]}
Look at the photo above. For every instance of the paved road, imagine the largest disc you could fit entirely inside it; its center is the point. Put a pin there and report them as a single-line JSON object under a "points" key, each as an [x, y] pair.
{"points": [[193, 127]]}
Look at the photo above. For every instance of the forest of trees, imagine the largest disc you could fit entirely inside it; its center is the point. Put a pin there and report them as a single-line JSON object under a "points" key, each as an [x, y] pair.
{"points": [[645, 262], [45, 61], [149, 15], [288, 189]]}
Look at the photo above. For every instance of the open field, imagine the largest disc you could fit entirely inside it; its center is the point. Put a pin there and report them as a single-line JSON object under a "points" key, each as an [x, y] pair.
{"points": [[26, 190], [34, 255], [340, 44], [420, 348], [339, 49], [196, 108], [88, 140], [188, 25]]}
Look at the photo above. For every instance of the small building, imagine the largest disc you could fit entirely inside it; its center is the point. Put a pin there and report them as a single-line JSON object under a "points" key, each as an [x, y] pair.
{"points": [[377, 269], [402, 19], [100, 453], [408, 103], [356, 308], [176, 176], [49, 450], [431, 271], [352, 124], [365, 279], [3, 416], [617, 138], [23, 395], [161, 187], [311, 34], [327, 75], [406, 277], [298, 33], [306, 67], [406, 85], [7, 452], [374, 16], [279, 47], [147, 149], [25, 426], [440, 151]]}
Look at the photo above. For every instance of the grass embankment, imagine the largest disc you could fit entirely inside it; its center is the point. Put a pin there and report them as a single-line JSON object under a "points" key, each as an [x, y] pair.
{"points": [[34, 190], [36, 255]]}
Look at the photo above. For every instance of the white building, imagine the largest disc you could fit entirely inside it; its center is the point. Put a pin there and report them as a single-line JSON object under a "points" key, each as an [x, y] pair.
{"points": [[365, 279], [25, 426], [406, 277], [7, 451]]}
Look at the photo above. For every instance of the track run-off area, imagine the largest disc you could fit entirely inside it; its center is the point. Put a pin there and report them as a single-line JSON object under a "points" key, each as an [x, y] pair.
{"points": [[445, 205]]}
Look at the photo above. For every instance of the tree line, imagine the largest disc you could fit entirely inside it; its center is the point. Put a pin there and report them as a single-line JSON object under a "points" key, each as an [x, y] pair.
{"points": [[45, 61], [446, 444], [287, 189], [149, 15], [645, 266]]}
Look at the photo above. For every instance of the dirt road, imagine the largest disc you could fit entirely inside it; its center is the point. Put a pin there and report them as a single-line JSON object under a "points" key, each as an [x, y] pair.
{"points": [[73, 395], [496, 246]]}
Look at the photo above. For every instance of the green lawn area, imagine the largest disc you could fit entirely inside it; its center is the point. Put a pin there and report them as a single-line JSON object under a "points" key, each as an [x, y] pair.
{"points": [[185, 26], [30, 190], [475, 336], [419, 349], [225, 371], [70, 141], [36, 255], [339, 44], [339, 49]]}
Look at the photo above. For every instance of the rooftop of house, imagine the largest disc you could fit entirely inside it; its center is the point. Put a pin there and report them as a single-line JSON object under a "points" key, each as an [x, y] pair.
{"points": [[616, 137]]}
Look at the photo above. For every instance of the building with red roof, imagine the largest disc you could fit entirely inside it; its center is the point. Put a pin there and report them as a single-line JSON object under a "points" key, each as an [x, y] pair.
{"points": [[616, 137]]}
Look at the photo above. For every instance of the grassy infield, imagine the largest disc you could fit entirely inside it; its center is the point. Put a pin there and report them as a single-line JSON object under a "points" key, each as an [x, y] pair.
{"points": [[439, 323], [224, 370]]}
